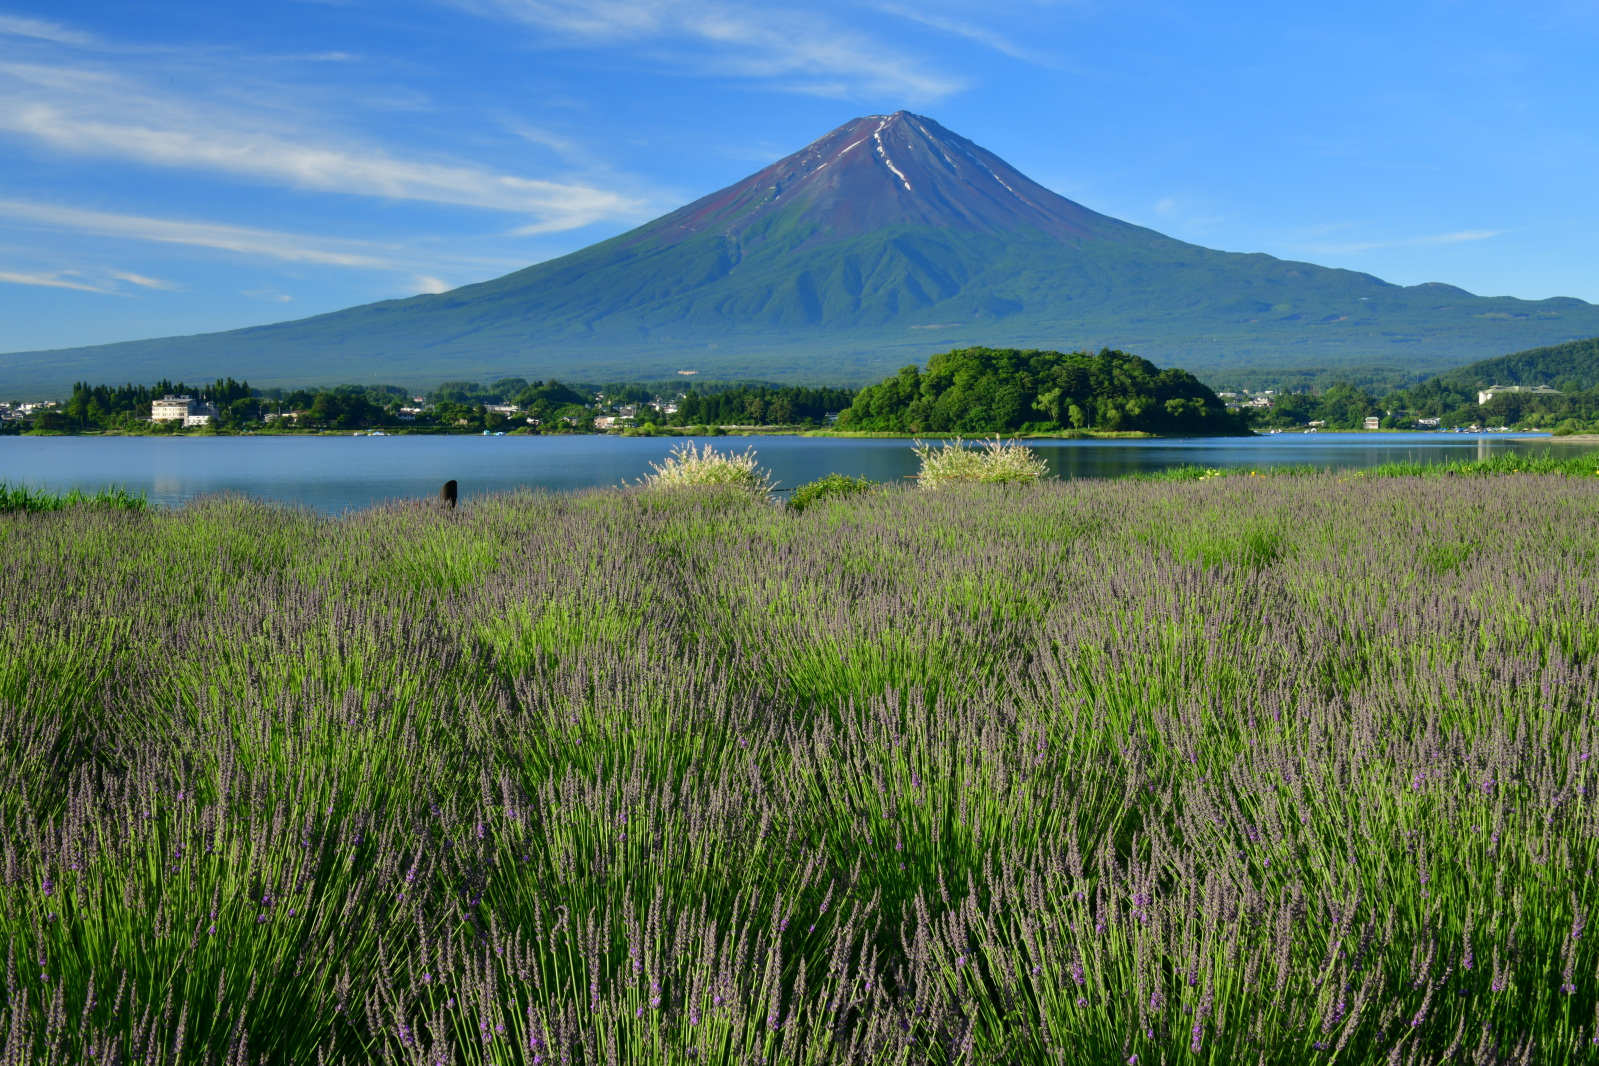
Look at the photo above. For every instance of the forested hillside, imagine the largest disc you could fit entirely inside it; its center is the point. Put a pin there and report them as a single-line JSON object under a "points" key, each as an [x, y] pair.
{"points": [[1565, 366]]}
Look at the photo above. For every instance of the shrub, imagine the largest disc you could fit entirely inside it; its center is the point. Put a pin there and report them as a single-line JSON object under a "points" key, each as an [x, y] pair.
{"points": [[689, 465], [1572, 426], [831, 486], [994, 462]]}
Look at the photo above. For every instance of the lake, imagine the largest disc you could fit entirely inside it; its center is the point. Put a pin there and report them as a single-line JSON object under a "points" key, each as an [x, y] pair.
{"points": [[333, 474]]}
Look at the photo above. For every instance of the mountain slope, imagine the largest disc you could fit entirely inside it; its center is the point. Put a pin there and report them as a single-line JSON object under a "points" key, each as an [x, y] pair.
{"points": [[884, 241]]}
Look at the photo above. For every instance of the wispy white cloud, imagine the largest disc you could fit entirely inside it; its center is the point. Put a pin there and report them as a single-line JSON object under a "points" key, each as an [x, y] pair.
{"points": [[145, 282], [288, 247], [59, 93], [38, 29], [1457, 237], [62, 280], [247, 242], [795, 49], [429, 284], [978, 34]]}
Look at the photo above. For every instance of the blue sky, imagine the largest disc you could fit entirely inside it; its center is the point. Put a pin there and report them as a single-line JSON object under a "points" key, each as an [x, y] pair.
{"points": [[177, 166]]}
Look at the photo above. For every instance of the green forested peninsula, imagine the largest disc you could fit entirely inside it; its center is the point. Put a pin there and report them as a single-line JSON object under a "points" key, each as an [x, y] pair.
{"points": [[1002, 390]]}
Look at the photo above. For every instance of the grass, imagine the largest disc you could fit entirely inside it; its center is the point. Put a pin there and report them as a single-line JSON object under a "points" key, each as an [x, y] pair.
{"points": [[1273, 769], [1509, 463], [22, 498]]}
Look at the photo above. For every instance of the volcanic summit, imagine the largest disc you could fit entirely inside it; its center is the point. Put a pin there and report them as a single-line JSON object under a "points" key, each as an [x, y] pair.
{"points": [[881, 171]]}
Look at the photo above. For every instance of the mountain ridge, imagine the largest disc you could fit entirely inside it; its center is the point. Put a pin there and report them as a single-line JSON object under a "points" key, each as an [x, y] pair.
{"points": [[884, 241]]}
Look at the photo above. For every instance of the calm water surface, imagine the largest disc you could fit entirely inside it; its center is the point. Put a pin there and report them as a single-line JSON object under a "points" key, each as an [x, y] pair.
{"points": [[333, 474]]}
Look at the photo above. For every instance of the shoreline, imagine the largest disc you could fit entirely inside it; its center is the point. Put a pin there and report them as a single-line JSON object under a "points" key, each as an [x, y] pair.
{"points": [[809, 432]]}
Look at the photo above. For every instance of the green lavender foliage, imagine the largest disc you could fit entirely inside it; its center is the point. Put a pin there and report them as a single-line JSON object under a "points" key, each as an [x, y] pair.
{"points": [[826, 488], [1277, 770]]}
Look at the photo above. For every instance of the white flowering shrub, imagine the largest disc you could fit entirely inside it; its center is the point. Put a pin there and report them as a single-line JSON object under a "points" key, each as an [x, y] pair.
{"points": [[994, 462], [689, 465]]}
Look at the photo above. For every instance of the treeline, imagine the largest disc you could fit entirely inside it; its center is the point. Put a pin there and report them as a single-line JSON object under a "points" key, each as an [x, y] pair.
{"points": [[762, 405], [1453, 404], [123, 406], [1004, 390]]}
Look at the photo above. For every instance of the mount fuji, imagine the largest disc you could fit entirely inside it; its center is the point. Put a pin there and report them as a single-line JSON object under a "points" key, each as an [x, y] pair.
{"points": [[886, 240]]}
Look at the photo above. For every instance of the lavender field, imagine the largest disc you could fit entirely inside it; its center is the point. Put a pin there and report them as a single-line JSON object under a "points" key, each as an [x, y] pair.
{"points": [[1234, 770]]}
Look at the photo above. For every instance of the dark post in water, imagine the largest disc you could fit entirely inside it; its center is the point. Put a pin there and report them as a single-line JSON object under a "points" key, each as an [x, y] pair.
{"points": [[447, 494]]}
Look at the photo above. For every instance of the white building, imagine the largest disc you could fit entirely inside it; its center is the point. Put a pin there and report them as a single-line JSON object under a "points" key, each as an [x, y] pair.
{"points": [[200, 415], [1528, 390], [172, 409]]}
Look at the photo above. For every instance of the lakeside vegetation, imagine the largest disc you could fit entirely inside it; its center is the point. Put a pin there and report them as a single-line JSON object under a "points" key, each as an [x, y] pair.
{"points": [[1094, 771]]}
